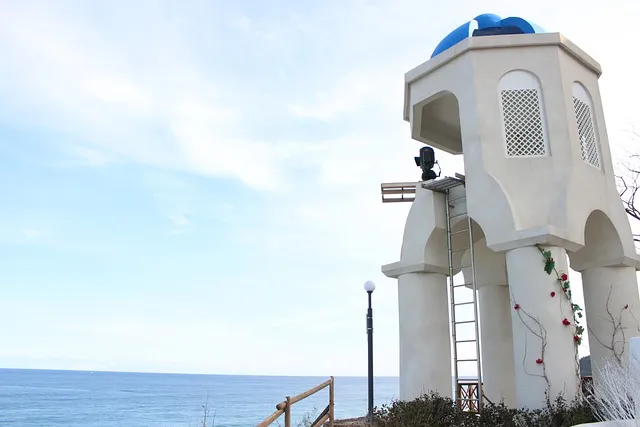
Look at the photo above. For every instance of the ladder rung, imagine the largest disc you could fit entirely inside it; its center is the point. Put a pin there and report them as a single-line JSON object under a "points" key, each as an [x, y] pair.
{"points": [[461, 231], [461, 341], [464, 284], [459, 250], [467, 360], [464, 322], [458, 198], [465, 266], [463, 303], [457, 215]]}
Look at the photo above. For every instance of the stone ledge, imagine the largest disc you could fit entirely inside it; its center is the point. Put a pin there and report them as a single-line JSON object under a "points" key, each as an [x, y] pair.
{"points": [[396, 269]]}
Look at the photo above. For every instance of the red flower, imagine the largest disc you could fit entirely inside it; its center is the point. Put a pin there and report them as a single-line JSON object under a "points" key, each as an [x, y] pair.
{"points": [[564, 277], [626, 306], [516, 307], [566, 322], [539, 361], [576, 338], [553, 294], [564, 290]]}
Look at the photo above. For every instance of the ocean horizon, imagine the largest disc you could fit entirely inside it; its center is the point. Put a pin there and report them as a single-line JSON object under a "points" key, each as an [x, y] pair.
{"points": [[41, 397]]}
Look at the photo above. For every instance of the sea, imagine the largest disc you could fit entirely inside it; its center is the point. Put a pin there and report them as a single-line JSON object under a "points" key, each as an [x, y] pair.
{"points": [[42, 398]]}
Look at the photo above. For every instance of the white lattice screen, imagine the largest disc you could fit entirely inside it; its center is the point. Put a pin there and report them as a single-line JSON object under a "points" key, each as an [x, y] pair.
{"points": [[586, 132], [523, 126]]}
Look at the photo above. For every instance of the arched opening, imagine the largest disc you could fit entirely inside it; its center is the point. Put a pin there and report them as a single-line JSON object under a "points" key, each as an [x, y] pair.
{"points": [[602, 242], [439, 122], [460, 241]]}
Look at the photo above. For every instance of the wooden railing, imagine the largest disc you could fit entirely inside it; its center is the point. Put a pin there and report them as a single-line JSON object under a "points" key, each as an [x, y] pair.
{"points": [[467, 394], [284, 408], [398, 192]]}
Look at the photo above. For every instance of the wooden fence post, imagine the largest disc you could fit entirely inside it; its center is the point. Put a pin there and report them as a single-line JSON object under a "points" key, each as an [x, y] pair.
{"points": [[331, 401], [287, 413]]}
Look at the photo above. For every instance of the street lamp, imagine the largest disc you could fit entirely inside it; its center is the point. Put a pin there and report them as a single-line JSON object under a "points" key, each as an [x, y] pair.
{"points": [[369, 286]]}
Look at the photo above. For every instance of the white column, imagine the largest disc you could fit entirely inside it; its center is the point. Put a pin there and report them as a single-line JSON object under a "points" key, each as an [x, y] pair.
{"points": [[425, 351], [543, 347], [497, 344], [613, 311]]}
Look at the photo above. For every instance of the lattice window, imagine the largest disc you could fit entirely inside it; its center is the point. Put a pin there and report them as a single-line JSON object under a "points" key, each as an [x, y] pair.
{"points": [[586, 132], [523, 123]]}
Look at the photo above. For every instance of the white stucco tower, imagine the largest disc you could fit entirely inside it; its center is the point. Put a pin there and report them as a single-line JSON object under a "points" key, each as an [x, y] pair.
{"points": [[524, 111]]}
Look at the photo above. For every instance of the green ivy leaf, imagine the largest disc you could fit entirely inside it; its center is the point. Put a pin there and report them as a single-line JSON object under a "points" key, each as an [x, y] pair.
{"points": [[580, 315], [548, 266]]}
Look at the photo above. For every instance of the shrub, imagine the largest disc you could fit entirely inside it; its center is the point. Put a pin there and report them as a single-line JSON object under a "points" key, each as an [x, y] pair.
{"points": [[433, 410], [618, 390]]}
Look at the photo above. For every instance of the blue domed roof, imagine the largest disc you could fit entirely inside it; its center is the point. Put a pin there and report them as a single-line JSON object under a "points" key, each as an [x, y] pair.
{"points": [[487, 24]]}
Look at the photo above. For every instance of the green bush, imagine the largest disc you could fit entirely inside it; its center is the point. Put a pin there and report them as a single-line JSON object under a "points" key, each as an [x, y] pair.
{"points": [[432, 410]]}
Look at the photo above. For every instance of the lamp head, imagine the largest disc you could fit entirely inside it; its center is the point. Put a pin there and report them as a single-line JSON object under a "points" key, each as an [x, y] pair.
{"points": [[369, 286], [426, 161]]}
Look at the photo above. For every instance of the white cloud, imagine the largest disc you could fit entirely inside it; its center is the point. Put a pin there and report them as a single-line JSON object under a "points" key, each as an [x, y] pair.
{"points": [[32, 233], [92, 93], [180, 223], [114, 90]]}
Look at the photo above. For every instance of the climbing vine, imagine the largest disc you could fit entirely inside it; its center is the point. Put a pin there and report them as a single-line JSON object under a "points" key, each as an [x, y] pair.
{"points": [[618, 336], [535, 327], [565, 288], [572, 321]]}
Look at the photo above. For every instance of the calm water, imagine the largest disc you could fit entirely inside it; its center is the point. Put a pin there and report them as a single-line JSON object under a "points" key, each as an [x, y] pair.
{"points": [[109, 399]]}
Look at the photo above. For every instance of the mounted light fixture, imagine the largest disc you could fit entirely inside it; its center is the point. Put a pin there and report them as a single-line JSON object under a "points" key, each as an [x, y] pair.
{"points": [[426, 161]]}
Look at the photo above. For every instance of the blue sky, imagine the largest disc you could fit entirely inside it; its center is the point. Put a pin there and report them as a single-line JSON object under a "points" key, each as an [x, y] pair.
{"points": [[194, 186]]}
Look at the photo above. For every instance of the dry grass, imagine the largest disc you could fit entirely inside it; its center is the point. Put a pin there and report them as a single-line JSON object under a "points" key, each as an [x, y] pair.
{"points": [[351, 422]]}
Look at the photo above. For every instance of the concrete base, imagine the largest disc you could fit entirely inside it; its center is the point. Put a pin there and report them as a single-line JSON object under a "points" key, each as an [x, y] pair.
{"points": [[425, 349]]}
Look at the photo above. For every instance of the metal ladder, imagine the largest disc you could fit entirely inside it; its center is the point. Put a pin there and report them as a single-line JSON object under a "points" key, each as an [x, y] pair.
{"points": [[463, 401]]}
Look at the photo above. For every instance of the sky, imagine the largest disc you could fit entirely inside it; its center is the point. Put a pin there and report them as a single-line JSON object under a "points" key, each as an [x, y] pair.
{"points": [[195, 186]]}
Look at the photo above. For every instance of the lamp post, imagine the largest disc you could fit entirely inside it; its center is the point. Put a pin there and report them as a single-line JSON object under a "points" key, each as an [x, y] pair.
{"points": [[369, 286]]}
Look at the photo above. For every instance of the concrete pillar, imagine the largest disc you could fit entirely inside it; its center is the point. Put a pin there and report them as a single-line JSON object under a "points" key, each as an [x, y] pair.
{"points": [[543, 347], [425, 351], [612, 311], [497, 344], [496, 337]]}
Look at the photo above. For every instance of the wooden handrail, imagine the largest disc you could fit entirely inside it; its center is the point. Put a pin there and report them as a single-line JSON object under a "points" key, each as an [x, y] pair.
{"points": [[271, 418], [285, 406], [306, 394]]}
